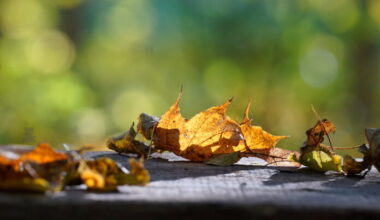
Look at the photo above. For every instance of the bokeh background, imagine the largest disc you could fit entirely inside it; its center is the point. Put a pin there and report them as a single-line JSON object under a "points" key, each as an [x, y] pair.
{"points": [[77, 72]]}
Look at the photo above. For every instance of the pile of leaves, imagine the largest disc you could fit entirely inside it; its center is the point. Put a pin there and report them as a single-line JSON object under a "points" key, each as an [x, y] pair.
{"points": [[210, 136], [43, 169], [214, 138]]}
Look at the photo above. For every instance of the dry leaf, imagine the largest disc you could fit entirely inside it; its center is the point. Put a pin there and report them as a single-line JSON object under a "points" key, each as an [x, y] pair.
{"points": [[353, 167], [104, 174], [315, 135], [314, 154], [25, 169], [146, 125], [126, 143], [371, 152], [138, 174], [206, 134], [261, 144]]}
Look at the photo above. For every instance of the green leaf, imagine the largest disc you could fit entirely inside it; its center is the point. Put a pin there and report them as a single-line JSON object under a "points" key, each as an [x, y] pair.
{"points": [[321, 161]]}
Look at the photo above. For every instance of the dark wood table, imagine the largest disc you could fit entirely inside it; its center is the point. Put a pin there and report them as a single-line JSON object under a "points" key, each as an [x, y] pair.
{"points": [[185, 190]]}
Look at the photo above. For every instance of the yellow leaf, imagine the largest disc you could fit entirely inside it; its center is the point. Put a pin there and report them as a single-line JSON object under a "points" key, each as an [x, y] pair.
{"points": [[104, 174], [321, 161], [261, 144], [208, 133]]}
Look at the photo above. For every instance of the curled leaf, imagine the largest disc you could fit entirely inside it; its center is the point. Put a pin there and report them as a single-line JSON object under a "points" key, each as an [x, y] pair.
{"points": [[373, 138], [371, 154], [314, 154], [126, 143], [316, 134], [146, 125]]}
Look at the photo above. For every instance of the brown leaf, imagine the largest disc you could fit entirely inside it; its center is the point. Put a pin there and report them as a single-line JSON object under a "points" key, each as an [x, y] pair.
{"points": [[373, 138], [315, 135], [371, 152], [126, 143], [314, 154], [352, 167]]}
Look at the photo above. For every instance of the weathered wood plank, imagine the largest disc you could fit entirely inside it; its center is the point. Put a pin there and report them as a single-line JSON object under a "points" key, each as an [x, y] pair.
{"points": [[193, 190]]}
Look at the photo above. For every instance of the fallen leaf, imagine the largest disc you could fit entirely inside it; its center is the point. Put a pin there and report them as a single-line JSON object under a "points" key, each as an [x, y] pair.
{"points": [[370, 151], [314, 154], [373, 138], [316, 134], [352, 167], [104, 174], [206, 134], [126, 143], [138, 172], [319, 159], [146, 125], [261, 144], [26, 169]]}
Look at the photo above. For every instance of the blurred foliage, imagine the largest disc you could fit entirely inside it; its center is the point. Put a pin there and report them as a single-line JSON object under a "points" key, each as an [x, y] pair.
{"points": [[75, 71]]}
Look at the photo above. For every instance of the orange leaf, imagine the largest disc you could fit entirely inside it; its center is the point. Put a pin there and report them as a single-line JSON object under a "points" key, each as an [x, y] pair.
{"points": [[39, 169], [255, 136], [261, 144], [43, 153], [208, 133]]}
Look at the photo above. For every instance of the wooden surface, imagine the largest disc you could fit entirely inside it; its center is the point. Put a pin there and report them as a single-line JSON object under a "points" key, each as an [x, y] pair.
{"points": [[185, 190]]}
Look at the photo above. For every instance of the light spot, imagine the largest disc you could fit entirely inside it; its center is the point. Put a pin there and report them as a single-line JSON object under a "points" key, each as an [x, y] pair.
{"points": [[374, 10], [318, 68], [127, 23], [50, 52], [26, 18]]}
